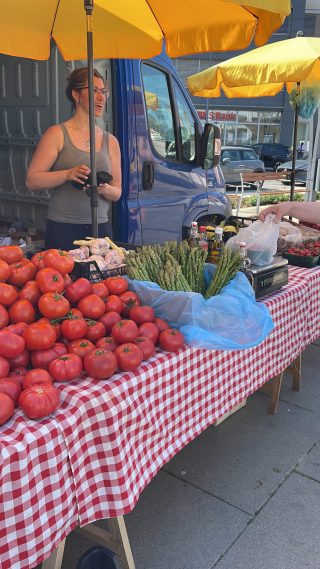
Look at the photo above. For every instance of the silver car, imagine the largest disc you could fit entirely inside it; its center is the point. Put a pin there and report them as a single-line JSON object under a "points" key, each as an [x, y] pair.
{"points": [[236, 159]]}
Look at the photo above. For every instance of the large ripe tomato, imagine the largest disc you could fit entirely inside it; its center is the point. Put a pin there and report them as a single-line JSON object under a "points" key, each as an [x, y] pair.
{"points": [[141, 314], [36, 376], [42, 358], [74, 328], [129, 299], [39, 401], [11, 345], [66, 367], [67, 280], [4, 367], [107, 343], [109, 319], [11, 388], [124, 331], [100, 364], [150, 330], [4, 317], [129, 356], [39, 336], [53, 305], [101, 290], [113, 304], [11, 253], [30, 292], [22, 272], [161, 324], [8, 294], [22, 360], [6, 408], [80, 347], [22, 311], [78, 289], [4, 271], [59, 260], [75, 312], [171, 340], [95, 330], [146, 346], [116, 285], [37, 260], [92, 306], [49, 280]]}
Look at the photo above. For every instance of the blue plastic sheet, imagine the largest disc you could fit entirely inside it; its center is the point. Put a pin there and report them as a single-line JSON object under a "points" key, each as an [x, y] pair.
{"points": [[231, 320]]}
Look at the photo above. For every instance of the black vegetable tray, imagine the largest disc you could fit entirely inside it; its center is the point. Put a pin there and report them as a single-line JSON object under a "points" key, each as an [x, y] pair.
{"points": [[300, 260], [92, 272]]}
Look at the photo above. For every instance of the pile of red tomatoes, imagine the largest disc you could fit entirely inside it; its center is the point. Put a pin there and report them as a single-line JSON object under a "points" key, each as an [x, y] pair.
{"points": [[54, 329]]}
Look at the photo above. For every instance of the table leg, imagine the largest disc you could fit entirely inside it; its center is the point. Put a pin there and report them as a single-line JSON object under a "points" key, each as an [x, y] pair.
{"points": [[115, 539], [273, 387], [55, 559], [295, 369]]}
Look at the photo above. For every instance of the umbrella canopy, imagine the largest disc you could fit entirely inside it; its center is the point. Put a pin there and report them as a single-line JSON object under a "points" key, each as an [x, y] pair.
{"points": [[292, 63], [132, 29], [136, 28]]}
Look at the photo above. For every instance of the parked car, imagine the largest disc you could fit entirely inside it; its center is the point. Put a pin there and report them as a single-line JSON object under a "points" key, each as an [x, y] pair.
{"points": [[273, 154], [300, 172], [236, 159]]}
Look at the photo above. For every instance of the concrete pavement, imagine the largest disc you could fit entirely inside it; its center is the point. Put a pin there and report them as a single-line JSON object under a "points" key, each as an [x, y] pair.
{"points": [[243, 495]]}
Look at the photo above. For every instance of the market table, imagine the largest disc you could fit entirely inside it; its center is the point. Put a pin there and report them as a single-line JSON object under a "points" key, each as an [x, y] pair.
{"points": [[108, 439]]}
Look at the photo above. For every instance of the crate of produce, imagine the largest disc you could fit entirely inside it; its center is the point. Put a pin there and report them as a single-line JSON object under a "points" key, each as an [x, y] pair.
{"points": [[301, 260], [92, 272]]}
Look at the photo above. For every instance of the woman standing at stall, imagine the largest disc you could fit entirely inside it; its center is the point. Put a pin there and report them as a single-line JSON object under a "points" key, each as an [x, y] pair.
{"points": [[61, 163]]}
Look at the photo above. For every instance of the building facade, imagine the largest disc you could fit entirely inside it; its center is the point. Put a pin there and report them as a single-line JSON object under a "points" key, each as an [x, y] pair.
{"points": [[263, 119]]}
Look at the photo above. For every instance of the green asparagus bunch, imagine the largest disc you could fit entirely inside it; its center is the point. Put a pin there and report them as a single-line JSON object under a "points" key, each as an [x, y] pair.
{"points": [[229, 264]]}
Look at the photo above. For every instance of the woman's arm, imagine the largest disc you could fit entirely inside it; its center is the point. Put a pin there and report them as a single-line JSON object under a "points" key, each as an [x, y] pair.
{"points": [[304, 211], [39, 176], [112, 191]]}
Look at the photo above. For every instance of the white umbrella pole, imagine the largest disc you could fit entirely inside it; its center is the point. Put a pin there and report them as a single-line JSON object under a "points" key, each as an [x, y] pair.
{"points": [[294, 147], [88, 6]]}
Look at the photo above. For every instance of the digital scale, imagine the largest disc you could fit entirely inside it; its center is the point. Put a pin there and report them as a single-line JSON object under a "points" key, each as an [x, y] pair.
{"points": [[268, 278]]}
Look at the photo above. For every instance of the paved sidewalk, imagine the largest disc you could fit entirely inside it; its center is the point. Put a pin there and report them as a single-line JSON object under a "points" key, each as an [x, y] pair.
{"points": [[243, 495]]}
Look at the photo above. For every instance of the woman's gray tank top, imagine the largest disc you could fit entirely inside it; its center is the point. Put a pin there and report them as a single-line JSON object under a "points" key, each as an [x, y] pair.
{"points": [[67, 204]]}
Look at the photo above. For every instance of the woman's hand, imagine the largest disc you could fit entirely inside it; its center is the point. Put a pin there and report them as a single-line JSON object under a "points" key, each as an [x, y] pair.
{"points": [[279, 210], [109, 192], [78, 174]]}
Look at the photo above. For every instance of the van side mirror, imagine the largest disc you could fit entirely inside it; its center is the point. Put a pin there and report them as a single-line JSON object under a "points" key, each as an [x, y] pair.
{"points": [[210, 146]]}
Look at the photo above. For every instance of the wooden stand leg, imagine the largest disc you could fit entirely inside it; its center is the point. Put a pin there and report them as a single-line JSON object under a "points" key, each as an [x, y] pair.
{"points": [[116, 539], [295, 369], [273, 388], [55, 559]]}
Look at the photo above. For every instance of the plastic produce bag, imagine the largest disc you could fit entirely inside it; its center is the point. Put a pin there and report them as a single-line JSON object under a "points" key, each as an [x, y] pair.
{"points": [[261, 238], [231, 320]]}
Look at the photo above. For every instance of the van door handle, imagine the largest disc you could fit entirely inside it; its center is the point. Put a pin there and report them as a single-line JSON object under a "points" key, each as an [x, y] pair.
{"points": [[147, 175]]}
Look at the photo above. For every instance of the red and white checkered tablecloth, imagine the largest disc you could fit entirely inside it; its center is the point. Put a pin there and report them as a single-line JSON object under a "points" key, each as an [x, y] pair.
{"points": [[93, 458]]}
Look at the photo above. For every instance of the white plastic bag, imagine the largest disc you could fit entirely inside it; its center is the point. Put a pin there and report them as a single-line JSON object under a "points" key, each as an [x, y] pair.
{"points": [[261, 238]]}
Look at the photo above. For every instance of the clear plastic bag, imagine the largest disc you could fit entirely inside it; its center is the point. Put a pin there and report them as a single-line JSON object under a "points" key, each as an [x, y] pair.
{"points": [[231, 320], [261, 238]]}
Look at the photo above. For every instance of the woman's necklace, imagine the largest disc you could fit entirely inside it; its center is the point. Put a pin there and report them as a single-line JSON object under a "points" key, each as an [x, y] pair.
{"points": [[83, 134]]}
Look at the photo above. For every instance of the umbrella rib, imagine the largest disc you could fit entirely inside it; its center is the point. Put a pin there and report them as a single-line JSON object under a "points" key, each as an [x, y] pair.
{"points": [[54, 18], [155, 17]]}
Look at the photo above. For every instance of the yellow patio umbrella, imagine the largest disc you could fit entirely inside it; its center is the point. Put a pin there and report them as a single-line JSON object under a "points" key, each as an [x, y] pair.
{"points": [[136, 28], [133, 29], [293, 64]]}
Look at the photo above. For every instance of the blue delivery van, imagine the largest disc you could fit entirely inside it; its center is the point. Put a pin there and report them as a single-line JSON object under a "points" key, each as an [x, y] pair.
{"points": [[166, 153]]}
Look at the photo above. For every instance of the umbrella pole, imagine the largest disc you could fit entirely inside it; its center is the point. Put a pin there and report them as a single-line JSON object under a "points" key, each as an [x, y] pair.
{"points": [[294, 147], [88, 6]]}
